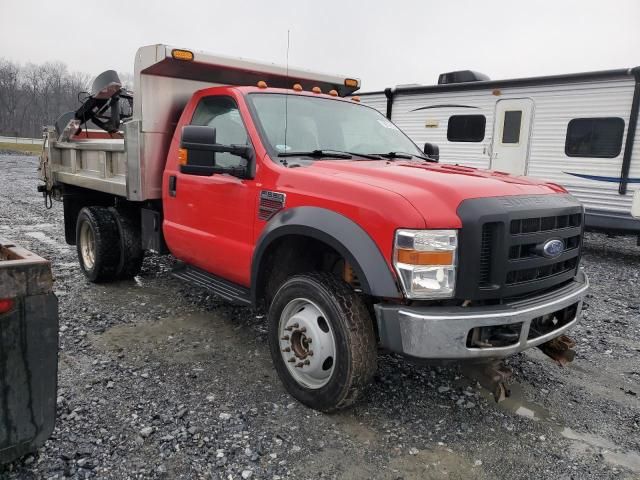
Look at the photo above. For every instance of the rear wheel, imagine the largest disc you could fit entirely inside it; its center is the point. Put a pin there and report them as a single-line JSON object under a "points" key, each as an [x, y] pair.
{"points": [[131, 252], [98, 243], [322, 341]]}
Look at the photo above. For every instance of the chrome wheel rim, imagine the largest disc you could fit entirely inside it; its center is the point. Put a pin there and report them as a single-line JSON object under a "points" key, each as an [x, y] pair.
{"points": [[307, 343], [87, 246]]}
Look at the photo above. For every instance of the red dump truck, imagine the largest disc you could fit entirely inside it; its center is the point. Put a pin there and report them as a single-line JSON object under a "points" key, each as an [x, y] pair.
{"points": [[271, 188]]}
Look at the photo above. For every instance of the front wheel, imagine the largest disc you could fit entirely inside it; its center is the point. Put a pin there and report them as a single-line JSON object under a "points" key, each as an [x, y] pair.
{"points": [[322, 341]]}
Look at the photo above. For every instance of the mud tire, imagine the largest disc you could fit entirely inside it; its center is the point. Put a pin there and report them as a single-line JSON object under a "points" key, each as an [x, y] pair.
{"points": [[131, 252], [102, 264], [353, 332]]}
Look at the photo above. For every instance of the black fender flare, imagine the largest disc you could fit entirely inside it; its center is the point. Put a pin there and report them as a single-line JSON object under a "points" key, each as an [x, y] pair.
{"points": [[337, 231]]}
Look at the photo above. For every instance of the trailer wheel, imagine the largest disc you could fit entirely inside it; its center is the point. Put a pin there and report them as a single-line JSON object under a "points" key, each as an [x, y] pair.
{"points": [[322, 341], [131, 252], [98, 243]]}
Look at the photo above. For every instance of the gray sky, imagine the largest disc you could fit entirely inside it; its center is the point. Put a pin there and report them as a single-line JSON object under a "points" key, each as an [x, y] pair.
{"points": [[383, 43]]}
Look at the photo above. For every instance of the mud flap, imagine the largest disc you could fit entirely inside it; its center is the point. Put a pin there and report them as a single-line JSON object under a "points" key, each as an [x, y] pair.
{"points": [[28, 374]]}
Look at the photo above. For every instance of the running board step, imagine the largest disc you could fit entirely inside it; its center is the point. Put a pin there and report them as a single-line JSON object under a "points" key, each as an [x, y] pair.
{"points": [[229, 291]]}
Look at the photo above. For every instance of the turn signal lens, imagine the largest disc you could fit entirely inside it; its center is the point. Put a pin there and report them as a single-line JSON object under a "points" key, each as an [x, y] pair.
{"points": [[6, 304], [182, 156], [351, 82], [182, 54], [414, 257]]}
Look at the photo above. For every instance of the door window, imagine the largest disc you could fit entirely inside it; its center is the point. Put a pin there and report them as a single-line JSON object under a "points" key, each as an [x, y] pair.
{"points": [[222, 114], [511, 126]]}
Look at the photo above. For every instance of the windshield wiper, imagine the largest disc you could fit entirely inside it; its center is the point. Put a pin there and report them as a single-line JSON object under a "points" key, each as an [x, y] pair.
{"points": [[317, 154], [322, 153], [404, 155]]}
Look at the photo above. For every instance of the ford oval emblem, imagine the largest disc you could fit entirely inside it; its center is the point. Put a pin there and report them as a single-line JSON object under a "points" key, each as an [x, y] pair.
{"points": [[553, 248]]}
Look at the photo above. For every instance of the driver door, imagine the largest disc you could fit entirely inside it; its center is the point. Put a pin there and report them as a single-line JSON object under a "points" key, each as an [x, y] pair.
{"points": [[215, 214]]}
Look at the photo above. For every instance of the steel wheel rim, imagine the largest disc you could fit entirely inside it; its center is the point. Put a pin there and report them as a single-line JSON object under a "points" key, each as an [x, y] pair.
{"points": [[87, 246], [307, 343]]}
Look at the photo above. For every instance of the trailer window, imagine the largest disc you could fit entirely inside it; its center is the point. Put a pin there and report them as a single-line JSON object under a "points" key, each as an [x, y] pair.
{"points": [[222, 113], [594, 137], [511, 126], [466, 128]]}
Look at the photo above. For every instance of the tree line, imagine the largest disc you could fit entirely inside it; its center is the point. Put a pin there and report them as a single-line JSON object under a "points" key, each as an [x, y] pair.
{"points": [[32, 96]]}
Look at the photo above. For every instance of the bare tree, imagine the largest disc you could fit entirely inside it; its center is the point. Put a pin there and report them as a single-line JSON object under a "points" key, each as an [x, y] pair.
{"points": [[9, 94], [35, 95]]}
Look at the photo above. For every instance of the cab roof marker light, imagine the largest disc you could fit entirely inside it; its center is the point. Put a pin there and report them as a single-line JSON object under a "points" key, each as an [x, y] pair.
{"points": [[297, 87], [355, 99], [262, 84], [316, 90], [179, 54], [333, 93]]}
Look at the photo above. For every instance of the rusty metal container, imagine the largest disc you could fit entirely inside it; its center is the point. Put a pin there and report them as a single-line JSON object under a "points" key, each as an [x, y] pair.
{"points": [[28, 351]]}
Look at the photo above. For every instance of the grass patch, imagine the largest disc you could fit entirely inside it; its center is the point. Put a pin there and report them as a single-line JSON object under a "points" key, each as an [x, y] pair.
{"points": [[27, 148]]}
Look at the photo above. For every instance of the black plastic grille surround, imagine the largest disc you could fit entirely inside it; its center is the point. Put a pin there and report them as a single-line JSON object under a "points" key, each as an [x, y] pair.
{"points": [[501, 245]]}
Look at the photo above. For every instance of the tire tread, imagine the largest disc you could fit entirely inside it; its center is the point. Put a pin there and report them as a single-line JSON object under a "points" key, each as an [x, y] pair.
{"points": [[107, 243], [131, 252], [360, 339]]}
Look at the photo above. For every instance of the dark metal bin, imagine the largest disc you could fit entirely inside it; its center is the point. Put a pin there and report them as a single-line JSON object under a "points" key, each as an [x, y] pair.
{"points": [[28, 351]]}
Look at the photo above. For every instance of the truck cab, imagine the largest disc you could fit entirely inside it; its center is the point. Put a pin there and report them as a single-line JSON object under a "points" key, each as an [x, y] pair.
{"points": [[278, 192]]}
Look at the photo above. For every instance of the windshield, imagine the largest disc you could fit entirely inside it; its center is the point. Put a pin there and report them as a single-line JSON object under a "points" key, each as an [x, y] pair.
{"points": [[324, 124]]}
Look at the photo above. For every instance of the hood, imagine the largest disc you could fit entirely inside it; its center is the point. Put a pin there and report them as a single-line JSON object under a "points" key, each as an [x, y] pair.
{"points": [[435, 190]]}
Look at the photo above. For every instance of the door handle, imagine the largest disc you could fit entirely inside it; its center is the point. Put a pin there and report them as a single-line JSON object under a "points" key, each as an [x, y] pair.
{"points": [[173, 181]]}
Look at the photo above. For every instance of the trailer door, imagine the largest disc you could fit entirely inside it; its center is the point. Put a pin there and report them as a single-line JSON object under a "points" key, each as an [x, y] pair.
{"points": [[511, 135]]}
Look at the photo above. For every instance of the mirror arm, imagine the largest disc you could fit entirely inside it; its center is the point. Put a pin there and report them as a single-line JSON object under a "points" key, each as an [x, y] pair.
{"points": [[205, 147], [243, 151], [200, 170], [207, 171]]}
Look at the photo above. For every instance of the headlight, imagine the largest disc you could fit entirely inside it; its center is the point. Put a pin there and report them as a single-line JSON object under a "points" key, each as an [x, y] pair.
{"points": [[426, 262]]}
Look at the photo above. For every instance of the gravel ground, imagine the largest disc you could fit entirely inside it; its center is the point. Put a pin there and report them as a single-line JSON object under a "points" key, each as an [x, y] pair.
{"points": [[158, 380]]}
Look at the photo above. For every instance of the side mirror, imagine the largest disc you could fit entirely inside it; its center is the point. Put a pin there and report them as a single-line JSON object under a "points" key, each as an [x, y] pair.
{"points": [[432, 151], [201, 146]]}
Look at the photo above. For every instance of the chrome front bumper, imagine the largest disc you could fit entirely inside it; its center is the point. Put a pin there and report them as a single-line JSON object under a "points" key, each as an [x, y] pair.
{"points": [[441, 332]]}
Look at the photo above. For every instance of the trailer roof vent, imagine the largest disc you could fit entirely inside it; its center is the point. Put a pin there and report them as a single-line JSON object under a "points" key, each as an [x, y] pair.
{"points": [[462, 76]]}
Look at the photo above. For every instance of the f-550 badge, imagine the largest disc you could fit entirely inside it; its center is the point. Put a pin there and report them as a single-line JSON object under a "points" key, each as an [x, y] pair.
{"points": [[270, 204]]}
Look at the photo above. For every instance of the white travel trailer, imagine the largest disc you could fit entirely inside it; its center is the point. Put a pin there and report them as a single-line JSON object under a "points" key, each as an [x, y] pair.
{"points": [[576, 130]]}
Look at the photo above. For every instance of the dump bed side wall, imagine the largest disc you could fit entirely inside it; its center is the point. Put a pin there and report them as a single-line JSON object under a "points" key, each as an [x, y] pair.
{"points": [[99, 165]]}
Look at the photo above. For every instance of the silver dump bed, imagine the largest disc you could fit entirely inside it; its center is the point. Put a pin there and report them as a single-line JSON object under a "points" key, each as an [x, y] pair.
{"points": [[132, 166]]}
